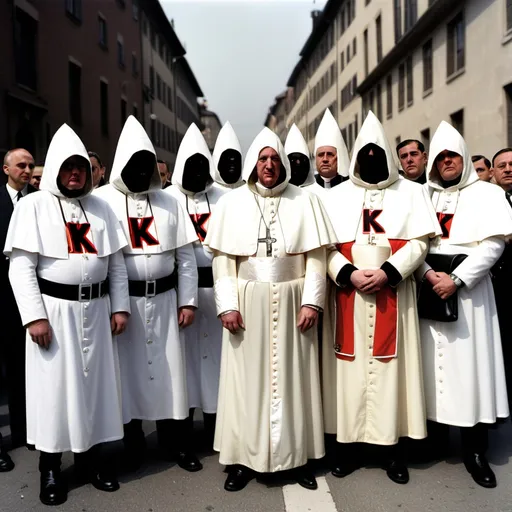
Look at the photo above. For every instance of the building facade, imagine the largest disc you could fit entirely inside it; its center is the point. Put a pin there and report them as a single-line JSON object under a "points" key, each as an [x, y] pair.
{"points": [[211, 125], [72, 61], [414, 63]]}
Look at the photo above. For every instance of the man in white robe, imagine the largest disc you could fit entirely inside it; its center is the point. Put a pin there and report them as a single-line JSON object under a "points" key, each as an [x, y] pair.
{"points": [[463, 360], [227, 159], [331, 155], [194, 188], [269, 241], [297, 151], [383, 223], [159, 254], [69, 278]]}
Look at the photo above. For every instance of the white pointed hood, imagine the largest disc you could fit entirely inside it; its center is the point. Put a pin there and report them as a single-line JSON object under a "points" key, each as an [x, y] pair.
{"points": [[226, 139], [266, 139], [133, 139], [448, 138], [193, 142], [329, 134], [295, 143], [372, 132], [64, 144]]}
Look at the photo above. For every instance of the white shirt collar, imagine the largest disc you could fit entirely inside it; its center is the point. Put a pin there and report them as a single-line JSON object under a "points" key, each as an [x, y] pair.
{"points": [[13, 193]]}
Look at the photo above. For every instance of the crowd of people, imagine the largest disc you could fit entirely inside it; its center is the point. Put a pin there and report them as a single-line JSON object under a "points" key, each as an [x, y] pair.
{"points": [[300, 303]]}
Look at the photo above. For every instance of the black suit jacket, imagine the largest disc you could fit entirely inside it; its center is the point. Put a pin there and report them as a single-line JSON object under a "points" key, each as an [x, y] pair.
{"points": [[7, 303]]}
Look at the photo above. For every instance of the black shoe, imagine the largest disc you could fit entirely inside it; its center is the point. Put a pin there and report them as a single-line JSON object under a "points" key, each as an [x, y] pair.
{"points": [[305, 478], [238, 478], [53, 489], [104, 481], [479, 469], [343, 469], [6, 463], [397, 471], [189, 462]]}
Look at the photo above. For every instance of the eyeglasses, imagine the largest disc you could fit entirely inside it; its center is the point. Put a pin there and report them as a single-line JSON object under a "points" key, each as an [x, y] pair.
{"points": [[24, 165]]}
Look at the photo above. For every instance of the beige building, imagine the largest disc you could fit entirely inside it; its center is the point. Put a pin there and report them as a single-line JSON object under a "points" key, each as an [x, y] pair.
{"points": [[414, 63], [170, 88]]}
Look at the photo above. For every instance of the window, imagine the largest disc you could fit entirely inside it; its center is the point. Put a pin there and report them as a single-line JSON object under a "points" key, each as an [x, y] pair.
{"points": [[425, 138], [378, 32], [135, 9], [103, 35], [152, 80], [348, 54], [401, 87], [457, 120], [508, 99], [411, 14], [379, 101], [25, 49], [74, 9], [123, 111], [158, 87], [135, 64], [366, 63], [342, 61], [410, 85], [509, 15], [120, 52], [104, 107], [389, 97], [75, 92], [398, 19], [169, 98], [428, 81], [152, 36], [398, 139], [153, 130], [456, 44], [354, 47]]}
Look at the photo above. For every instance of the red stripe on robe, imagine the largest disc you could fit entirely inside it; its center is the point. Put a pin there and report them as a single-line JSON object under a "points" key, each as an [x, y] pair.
{"points": [[386, 317]]}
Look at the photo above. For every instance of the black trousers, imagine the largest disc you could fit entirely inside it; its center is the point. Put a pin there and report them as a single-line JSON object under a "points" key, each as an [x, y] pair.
{"points": [[473, 439]]}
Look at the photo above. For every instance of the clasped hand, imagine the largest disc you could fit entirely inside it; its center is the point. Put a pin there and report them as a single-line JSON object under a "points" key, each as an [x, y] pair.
{"points": [[369, 281], [441, 283]]}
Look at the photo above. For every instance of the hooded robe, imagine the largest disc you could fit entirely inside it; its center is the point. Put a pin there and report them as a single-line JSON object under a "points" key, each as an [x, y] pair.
{"points": [[226, 139], [463, 360], [151, 349], [203, 339], [295, 143], [72, 390], [269, 247], [329, 134], [372, 377]]}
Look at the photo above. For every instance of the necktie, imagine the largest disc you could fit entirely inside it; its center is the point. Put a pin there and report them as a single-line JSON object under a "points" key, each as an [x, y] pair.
{"points": [[19, 196]]}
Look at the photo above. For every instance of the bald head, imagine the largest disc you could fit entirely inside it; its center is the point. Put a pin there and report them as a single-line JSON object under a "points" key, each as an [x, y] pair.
{"points": [[18, 166]]}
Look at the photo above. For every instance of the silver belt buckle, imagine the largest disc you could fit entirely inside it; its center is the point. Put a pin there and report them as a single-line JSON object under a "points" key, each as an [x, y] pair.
{"points": [[150, 288], [85, 292]]}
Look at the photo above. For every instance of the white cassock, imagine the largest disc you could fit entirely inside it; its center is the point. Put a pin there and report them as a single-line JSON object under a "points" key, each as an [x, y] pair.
{"points": [[463, 360], [203, 339], [372, 380], [72, 389], [152, 348], [269, 416]]}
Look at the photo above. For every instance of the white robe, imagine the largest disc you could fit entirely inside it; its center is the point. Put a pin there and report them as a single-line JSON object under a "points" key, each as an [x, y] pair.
{"points": [[152, 348], [73, 398], [203, 339], [270, 411]]}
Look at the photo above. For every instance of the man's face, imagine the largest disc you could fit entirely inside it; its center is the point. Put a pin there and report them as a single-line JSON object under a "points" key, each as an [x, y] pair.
{"points": [[164, 173], [36, 177], [484, 172], [196, 173], [73, 173], [327, 161], [413, 161], [449, 164], [502, 170], [98, 171], [268, 167], [299, 164], [230, 166], [19, 167]]}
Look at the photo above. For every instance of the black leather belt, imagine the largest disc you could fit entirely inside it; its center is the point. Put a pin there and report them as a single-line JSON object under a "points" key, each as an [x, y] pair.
{"points": [[152, 288], [205, 277], [84, 292]]}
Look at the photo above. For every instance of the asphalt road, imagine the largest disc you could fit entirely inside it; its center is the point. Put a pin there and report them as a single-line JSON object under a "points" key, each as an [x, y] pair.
{"points": [[160, 486]]}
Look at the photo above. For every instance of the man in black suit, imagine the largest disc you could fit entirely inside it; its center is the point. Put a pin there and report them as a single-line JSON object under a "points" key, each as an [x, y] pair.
{"points": [[18, 166]]}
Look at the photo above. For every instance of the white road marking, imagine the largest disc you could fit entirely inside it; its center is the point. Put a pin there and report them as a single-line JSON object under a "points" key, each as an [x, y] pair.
{"points": [[298, 499]]}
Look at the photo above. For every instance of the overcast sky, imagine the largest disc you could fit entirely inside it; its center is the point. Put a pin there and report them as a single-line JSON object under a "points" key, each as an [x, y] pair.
{"points": [[242, 52]]}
